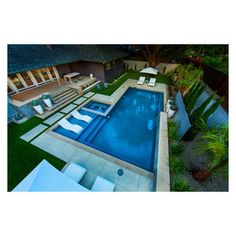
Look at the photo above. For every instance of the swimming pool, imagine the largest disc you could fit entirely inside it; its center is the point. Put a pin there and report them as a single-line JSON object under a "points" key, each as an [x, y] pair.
{"points": [[97, 106], [128, 132]]}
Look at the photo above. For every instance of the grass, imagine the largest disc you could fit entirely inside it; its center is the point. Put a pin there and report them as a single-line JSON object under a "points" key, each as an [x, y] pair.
{"points": [[129, 75], [23, 157]]}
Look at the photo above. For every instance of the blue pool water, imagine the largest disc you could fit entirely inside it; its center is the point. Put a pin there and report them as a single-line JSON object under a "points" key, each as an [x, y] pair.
{"points": [[97, 106], [128, 132]]}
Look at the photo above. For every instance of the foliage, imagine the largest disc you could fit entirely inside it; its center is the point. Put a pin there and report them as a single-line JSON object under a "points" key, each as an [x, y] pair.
{"points": [[176, 148], [212, 109], [173, 130], [215, 142], [35, 102], [176, 165], [196, 114], [192, 97], [219, 63], [180, 185], [187, 76], [45, 96]]}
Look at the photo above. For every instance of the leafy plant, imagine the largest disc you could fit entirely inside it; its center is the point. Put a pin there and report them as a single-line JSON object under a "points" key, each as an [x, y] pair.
{"points": [[35, 102], [45, 96], [180, 185], [176, 165], [176, 148], [212, 109], [173, 133]]}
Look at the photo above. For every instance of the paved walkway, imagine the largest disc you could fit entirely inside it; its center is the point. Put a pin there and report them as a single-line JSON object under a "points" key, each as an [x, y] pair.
{"points": [[33, 132], [51, 120], [68, 108], [129, 181], [80, 100], [89, 94]]}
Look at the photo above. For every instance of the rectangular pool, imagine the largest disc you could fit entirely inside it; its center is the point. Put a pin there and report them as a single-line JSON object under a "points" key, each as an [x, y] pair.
{"points": [[128, 132]]}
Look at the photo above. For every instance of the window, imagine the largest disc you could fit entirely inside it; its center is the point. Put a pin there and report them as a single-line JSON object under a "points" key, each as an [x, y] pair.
{"points": [[52, 72], [26, 78], [37, 76], [10, 90], [16, 81], [107, 66], [44, 73]]}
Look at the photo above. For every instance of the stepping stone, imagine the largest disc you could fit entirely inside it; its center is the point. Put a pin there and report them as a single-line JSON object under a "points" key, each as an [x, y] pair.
{"points": [[79, 100], [89, 94], [34, 132], [54, 118], [68, 108]]}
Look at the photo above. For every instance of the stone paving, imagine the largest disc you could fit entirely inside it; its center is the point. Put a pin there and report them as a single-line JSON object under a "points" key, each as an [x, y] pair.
{"points": [[68, 108], [129, 181], [89, 94], [80, 100], [33, 132], [51, 120]]}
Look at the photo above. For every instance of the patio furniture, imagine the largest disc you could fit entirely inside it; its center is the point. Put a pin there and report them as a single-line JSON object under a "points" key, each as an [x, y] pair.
{"points": [[79, 116], [141, 80], [152, 82], [102, 185], [37, 107], [75, 172], [71, 75], [65, 124]]}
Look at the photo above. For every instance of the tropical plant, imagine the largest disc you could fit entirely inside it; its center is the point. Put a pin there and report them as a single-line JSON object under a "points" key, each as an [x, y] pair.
{"points": [[173, 134], [196, 114], [176, 148], [176, 165], [191, 98], [45, 96], [180, 185], [212, 109], [215, 143], [187, 75], [35, 102]]}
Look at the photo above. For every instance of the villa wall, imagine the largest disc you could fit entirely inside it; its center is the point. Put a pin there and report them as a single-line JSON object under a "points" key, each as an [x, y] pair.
{"points": [[119, 68]]}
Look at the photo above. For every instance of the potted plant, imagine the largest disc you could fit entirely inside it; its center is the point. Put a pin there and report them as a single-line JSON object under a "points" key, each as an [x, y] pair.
{"points": [[47, 100], [37, 106], [172, 110]]}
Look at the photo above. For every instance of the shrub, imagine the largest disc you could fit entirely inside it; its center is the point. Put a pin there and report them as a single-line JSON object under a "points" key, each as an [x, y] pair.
{"points": [[45, 96], [180, 185], [176, 165], [35, 102], [173, 133], [176, 148]]}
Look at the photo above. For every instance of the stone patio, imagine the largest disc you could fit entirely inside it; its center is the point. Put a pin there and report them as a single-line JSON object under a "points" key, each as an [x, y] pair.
{"points": [[80, 100], [68, 108], [33, 132], [129, 181], [51, 120]]}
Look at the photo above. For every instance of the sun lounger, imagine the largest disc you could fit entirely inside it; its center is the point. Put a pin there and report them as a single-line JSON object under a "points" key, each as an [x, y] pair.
{"points": [[141, 80], [152, 82], [75, 172], [102, 185], [79, 116], [68, 126]]}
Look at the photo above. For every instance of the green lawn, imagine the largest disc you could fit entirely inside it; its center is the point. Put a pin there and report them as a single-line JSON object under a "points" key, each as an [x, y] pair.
{"points": [[23, 157], [130, 75]]}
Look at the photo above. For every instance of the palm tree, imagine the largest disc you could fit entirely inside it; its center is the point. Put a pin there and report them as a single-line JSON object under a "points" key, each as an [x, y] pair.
{"points": [[215, 143]]}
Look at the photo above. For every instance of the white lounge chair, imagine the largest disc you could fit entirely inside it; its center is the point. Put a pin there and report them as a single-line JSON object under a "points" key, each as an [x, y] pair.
{"points": [[72, 127], [141, 80], [102, 185], [75, 172], [48, 102], [79, 116], [152, 82]]}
